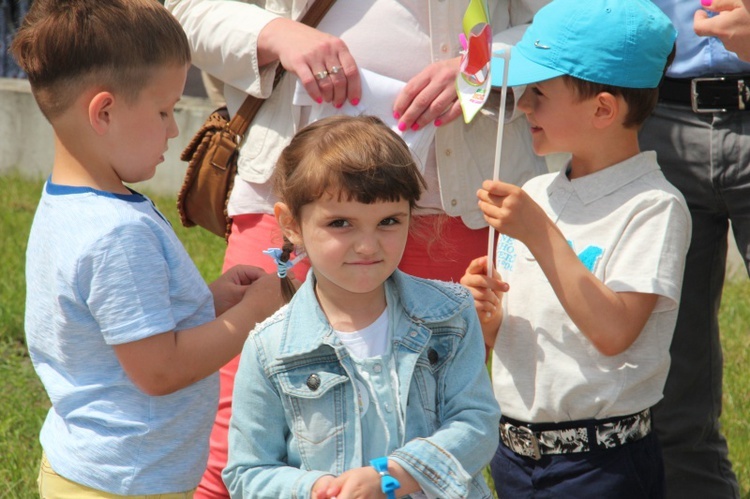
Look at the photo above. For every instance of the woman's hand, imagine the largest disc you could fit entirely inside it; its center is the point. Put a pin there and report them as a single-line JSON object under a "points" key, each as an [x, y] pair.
{"points": [[322, 62], [430, 96], [731, 25]]}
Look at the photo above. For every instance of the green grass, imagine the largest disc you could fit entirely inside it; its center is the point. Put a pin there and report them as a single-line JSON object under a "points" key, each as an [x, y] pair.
{"points": [[24, 404], [735, 327]]}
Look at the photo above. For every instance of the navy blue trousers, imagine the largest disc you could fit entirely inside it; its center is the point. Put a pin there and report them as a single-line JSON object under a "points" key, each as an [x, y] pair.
{"points": [[631, 471]]}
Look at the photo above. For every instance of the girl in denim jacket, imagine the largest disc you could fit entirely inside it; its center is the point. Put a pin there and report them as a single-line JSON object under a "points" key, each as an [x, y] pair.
{"points": [[365, 364]]}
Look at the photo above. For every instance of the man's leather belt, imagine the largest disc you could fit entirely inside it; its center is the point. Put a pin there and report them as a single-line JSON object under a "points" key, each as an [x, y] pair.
{"points": [[535, 440], [713, 94]]}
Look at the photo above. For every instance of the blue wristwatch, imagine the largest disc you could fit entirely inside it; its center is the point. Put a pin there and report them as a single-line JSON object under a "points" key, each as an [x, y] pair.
{"points": [[388, 484]]}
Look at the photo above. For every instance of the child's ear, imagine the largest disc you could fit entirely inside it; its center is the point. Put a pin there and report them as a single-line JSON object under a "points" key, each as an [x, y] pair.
{"points": [[100, 111], [608, 109], [288, 224]]}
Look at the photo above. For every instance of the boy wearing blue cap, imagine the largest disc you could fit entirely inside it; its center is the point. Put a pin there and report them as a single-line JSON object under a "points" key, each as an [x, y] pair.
{"points": [[592, 258]]}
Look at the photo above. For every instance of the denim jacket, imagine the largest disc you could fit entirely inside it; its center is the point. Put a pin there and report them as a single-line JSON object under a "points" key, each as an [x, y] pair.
{"points": [[285, 432]]}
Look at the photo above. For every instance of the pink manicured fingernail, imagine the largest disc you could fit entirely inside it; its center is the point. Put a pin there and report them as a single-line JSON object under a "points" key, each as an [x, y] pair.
{"points": [[337, 106], [319, 100], [396, 115], [402, 126], [415, 127], [706, 3], [438, 122], [355, 102]]}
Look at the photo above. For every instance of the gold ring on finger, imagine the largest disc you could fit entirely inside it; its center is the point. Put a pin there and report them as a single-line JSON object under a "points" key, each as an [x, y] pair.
{"points": [[334, 70], [321, 74]]}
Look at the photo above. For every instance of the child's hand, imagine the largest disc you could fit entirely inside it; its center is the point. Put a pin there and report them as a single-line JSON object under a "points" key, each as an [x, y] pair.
{"points": [[243, 274], [357, 483], [487, 292], [511, 211], [231, 286], [320, 487], [264, 295]]}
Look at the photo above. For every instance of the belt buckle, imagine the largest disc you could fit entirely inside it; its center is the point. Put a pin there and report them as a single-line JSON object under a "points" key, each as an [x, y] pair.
{"points": [[743, 95], [526, 435], [694, 93]]}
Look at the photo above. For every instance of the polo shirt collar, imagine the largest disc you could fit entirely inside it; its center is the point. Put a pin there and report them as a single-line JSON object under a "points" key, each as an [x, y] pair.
{"points": [[597, 185]]}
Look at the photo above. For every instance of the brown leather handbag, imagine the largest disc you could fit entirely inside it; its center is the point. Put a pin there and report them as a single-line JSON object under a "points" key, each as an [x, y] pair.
{"points": [[212, 156]]}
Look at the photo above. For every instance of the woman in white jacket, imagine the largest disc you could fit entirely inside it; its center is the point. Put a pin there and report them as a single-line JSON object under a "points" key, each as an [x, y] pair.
{"points": [[413, 41]]}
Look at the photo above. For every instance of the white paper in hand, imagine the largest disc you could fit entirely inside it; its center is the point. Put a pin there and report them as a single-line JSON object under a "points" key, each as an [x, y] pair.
{"points": [[378, 95]]}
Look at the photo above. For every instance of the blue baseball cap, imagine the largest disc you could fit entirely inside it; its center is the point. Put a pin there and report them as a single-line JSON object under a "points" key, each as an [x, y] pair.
{"points": [[623, 43]]}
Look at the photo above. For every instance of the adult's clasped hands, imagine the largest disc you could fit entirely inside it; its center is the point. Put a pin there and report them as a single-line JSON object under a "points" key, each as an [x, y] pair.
{"points": [[728, 20]]}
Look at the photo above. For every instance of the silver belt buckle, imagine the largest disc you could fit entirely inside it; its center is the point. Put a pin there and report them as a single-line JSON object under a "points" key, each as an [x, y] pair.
{"points": [[526, 435], [743, 93], [694, 83]]}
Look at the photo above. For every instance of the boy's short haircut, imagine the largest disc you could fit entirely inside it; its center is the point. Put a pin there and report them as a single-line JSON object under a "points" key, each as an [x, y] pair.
{"points": [[66, 46], [641, 101]]}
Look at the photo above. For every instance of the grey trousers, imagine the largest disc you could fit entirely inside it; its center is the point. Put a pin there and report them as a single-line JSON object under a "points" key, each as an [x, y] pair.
{"points": [[707, 157]]}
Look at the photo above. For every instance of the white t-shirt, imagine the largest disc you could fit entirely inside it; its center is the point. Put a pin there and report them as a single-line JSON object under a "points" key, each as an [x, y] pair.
{"points": [[376, 385], [370, 341], [631, 228]]}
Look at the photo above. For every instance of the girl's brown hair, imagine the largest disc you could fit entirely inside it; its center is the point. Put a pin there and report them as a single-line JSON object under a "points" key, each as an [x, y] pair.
{"points": [[356, 158]]}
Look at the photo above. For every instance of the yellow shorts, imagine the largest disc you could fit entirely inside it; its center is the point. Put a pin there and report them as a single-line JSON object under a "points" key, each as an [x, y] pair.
{"points": [[53, 486]]}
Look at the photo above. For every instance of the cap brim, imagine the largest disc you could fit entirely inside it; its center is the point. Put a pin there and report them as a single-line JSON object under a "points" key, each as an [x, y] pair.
{"points": [[521, 71]]}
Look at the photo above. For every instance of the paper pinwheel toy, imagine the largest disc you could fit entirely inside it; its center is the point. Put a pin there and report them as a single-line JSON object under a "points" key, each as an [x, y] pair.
{"points": [[473, 81]]}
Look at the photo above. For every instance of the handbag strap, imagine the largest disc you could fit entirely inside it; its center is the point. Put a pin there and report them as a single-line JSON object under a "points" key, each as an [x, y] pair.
{"points": [[241, 121]]}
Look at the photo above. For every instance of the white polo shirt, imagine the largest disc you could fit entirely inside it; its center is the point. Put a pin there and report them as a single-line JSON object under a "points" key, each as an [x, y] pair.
{"points": [[631, 228]]}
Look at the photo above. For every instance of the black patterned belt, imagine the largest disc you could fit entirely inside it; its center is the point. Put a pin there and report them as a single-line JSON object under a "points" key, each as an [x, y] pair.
{"points": [[711, 94], [535, 440]]}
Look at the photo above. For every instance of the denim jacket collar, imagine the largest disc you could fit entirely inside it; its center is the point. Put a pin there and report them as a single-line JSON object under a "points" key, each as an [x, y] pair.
{"points": [[417, 297]]}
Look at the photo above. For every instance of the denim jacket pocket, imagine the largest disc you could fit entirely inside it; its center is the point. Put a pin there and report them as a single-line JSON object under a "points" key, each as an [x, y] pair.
{"points": [[315, 395], [424, 417]]}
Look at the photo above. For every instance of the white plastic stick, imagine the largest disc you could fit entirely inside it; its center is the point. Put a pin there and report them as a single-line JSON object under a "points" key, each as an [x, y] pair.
{"points": [[299, 257], [505, 55]]}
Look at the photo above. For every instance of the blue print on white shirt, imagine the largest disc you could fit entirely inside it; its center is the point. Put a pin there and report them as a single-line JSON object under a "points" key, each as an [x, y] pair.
{"points": [[505, 256], [589, 256], [506, 253]]}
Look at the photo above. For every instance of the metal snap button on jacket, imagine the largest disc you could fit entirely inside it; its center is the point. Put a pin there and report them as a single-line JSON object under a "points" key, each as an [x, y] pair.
{"points": [[313, 382]]}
